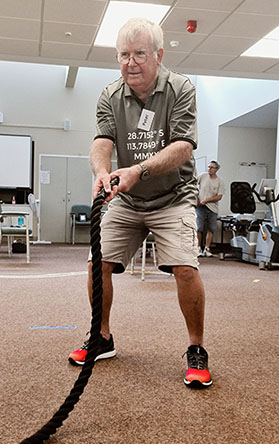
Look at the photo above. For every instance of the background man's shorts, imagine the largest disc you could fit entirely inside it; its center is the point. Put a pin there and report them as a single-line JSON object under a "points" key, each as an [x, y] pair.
{"points": [[123, 230], [204, 214]]}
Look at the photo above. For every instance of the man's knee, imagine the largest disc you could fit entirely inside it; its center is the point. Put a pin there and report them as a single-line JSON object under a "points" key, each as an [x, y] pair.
{"points": [[185, 272], [106, 266], [107, 269]]}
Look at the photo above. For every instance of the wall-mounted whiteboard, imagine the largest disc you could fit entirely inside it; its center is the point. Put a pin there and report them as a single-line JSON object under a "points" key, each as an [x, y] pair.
{"points": [[15, 161], [251, 172]]}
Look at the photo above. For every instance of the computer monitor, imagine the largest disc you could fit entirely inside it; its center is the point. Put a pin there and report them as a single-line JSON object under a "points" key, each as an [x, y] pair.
{"points": [[266, 183]]}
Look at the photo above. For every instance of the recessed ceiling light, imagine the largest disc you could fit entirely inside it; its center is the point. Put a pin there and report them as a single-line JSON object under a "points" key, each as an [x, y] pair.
{"points": [[268, 46], [119, 12]]}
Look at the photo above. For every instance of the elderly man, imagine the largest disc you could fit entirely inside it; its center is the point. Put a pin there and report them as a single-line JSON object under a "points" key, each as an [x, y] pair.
{"points": [[149, 116]]}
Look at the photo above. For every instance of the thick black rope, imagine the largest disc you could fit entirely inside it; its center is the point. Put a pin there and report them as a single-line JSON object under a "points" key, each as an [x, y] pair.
{"points": [[72, 399]]}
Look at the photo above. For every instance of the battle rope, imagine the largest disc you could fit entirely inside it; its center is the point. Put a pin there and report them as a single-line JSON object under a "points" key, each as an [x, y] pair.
{"points": [[72, 399]]}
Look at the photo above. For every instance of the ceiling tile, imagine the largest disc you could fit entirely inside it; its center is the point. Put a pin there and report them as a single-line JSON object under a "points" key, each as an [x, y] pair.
{"points": [[224, 45], [29, 9], [98, 53], [64, 51], [19, 28], [24, 47], [81, 34], [155, 2], [74, 11], [248, 64], [173, 59], [225, 28], [206, 20], [205, 61], [244, 25], [270, 7], [212, 5], [187, 41], [273, 69]]}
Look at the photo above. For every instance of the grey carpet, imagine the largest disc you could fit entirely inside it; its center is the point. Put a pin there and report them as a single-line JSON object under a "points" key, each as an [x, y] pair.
{"points": [[139, 396]]}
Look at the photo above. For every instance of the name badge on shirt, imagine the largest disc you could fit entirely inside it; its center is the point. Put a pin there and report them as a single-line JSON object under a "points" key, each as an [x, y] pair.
{"points": [[146, 119]]}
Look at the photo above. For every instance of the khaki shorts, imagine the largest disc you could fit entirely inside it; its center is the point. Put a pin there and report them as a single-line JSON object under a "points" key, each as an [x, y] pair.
{"points": [[123, 230]]}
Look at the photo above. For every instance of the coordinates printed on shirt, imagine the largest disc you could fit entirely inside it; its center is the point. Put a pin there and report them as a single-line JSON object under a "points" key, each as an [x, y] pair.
{"points": [[145, 143]]}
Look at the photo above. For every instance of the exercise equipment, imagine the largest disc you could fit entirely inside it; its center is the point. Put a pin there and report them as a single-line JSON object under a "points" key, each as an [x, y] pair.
{"points": [[254, 240], [72, 399]]}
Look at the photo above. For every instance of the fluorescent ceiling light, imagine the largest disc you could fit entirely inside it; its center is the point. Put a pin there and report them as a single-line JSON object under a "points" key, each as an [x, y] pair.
{"points": [[119, 12], [268, 46]]}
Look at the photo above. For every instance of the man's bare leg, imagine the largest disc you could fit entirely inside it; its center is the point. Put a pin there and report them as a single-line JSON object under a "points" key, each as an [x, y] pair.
{"points": [[107, 269], [191, 299]]}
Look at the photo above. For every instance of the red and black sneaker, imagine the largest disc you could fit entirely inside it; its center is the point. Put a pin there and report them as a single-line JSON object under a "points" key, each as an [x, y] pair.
{"points": [[197, 374], [105, 350]]}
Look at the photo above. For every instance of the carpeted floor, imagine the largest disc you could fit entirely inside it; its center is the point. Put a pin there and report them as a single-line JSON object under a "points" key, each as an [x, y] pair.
{"points": [[139, 396]]}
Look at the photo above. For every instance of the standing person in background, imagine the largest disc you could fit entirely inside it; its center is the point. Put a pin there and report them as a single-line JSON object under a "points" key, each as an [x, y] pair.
{"points": [[149, 116], [211, 190]]}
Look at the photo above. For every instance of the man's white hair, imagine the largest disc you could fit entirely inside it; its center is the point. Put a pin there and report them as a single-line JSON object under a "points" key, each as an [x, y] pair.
{"points": [[129, 30]]}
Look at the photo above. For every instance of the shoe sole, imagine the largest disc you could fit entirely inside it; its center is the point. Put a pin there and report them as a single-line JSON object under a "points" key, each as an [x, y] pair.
{"points": [[197, 384], [106, 355]]}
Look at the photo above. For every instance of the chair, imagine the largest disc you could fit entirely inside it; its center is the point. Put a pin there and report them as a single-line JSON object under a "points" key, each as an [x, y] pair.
{"points": [[11, 231], [80, 217], [242, 199], [148, 241]]}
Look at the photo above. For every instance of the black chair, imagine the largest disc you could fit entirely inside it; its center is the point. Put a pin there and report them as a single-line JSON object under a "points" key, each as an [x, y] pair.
{"points": [[80, 217], [242, 199]]}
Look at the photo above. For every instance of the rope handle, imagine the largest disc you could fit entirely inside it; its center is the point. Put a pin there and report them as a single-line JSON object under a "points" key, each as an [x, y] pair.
{"points": [[72, 399], [102, 193]]}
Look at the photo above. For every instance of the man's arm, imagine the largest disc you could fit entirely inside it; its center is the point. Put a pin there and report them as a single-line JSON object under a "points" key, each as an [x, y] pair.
{"points": [[100, 162], [171, 157], [211, 199]]}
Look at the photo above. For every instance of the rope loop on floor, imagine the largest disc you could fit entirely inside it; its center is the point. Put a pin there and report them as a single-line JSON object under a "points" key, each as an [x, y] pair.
{"points": [[72, 399]]}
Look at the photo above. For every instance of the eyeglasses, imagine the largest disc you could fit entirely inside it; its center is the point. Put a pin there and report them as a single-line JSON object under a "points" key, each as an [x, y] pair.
{"points": [[212, 168], [139, 57]]}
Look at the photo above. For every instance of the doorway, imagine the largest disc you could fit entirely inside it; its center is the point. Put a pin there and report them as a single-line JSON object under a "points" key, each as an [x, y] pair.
{"points": [[64, 181]]}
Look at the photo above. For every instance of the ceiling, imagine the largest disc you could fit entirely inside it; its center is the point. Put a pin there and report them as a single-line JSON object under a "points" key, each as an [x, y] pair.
{"points": [[34, 31], [265, 116]]}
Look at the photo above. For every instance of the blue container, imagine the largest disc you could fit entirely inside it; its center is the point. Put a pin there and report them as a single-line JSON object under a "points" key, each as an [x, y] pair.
{"points": [[20, 221]]}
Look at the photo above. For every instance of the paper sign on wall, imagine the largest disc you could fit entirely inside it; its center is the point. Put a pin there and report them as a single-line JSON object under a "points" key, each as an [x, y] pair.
{"points": [[45, 177]]}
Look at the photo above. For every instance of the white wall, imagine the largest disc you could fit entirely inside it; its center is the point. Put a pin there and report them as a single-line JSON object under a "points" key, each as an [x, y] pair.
{"points": [[223, 99], [35, 101]]}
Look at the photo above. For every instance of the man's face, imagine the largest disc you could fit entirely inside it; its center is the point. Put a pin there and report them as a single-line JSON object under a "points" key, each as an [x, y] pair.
{"points": [[212, 169], [140, 76]]}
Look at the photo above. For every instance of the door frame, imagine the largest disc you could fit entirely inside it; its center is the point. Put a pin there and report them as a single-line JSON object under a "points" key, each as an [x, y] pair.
{"points": [[41, 156]]}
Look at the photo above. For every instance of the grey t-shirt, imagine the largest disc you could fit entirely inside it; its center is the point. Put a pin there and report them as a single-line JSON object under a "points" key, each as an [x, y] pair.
{"points": [[140, 130], [210, 187]]}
